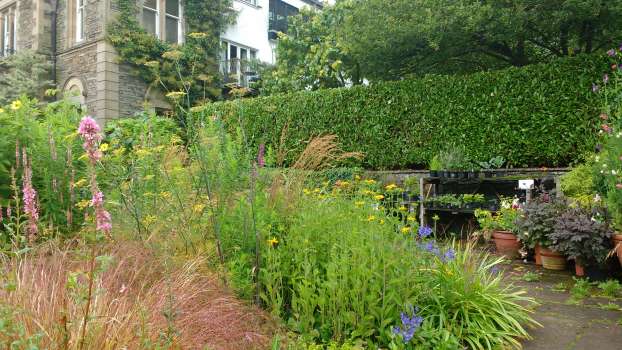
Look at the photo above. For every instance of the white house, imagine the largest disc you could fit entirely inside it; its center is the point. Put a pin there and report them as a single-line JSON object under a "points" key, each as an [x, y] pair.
{"points": [[254, 35]]}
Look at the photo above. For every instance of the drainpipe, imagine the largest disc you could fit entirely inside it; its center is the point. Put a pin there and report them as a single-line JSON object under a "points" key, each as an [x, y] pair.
{"points": [[54, 46]]}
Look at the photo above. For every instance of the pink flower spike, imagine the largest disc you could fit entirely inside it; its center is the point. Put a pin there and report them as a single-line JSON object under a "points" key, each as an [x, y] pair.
{"points": [[619, 186]]}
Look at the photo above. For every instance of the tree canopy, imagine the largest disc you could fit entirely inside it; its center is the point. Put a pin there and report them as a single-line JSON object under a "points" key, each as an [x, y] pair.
{"points": [[387, 40]]}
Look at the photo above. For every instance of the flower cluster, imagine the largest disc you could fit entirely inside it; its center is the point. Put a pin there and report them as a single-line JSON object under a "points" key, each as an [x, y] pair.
{"points": [[409, 325], [424, 231], [30, 198], [431, 247], [89, 131]]}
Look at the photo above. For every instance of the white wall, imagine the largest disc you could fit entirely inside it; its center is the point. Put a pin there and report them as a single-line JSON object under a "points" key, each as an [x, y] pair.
{"points": [[251, 29]]}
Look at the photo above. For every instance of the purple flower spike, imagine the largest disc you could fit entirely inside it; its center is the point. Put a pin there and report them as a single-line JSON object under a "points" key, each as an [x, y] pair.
{"points": [[611, 53], [409, 325]]}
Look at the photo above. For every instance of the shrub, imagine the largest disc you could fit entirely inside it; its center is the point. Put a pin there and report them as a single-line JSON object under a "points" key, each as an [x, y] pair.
{"points": [[540, 115], [536, 223], [24, 73], [583, 235]]}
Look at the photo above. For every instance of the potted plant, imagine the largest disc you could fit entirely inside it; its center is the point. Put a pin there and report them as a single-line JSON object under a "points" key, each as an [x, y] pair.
{"points": [[435, 166], [473, 201], [583, 235], [490, 167], [411, 189], [536, 223], [501, 226]]}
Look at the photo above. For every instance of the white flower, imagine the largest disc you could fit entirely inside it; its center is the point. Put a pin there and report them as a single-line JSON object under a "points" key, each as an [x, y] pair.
{"points": [[597, 198], [604, 165], [597, 159], [613, 172], [602, 172]]}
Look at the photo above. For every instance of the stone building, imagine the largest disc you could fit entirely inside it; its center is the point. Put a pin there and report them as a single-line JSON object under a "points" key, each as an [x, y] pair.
{"points": [[73, 34]]}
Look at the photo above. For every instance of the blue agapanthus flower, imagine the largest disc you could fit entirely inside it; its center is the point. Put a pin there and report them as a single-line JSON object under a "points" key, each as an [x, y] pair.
{"points": [[409, 325], [425, 231], [449, 255]]}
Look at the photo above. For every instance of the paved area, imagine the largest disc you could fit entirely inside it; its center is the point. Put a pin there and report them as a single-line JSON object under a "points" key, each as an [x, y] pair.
{"points": [[594, 322]]}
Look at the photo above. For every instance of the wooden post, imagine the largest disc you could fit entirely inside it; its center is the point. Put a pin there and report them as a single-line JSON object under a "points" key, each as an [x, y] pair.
{"points": [[422, 197]]}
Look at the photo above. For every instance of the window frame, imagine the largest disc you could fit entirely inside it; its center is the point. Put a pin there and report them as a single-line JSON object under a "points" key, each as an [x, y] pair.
{"points": [[161, 15], [157, 16], [80, 16], [8, 30], [177, 18]]}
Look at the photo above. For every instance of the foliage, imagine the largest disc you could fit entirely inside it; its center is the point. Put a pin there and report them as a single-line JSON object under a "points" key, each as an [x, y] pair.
{"points": [[583, 235], [530, 276], [578, 184], [24, 73], [311, 55], [321, 283], [454, 158], [607, 173], [446, 36], [493, 163], [610, 288], [536, 222], [47, 136], [580, 289], [503, 220], [541, 115], [192, 68]]}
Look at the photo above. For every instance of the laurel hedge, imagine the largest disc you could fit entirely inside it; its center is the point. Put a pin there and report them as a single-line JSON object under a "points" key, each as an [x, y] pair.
{"points": [[539, 115]]}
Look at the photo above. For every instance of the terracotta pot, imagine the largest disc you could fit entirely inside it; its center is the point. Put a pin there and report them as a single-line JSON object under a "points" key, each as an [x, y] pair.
{"points": [[617, 244], [552, 260], [506, 243], [579, 270], [537, 255]]}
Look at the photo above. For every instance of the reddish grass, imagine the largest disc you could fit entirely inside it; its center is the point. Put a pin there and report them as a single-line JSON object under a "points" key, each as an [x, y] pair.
{"points": [[131, 299]]}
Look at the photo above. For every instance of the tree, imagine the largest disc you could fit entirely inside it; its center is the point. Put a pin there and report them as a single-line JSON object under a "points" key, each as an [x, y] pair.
{"points": [[311, 55], [391, 39], [24, 73]]}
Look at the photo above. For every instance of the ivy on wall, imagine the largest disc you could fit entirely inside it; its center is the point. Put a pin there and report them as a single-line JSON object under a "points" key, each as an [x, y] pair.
{"points": [[189, 71]]}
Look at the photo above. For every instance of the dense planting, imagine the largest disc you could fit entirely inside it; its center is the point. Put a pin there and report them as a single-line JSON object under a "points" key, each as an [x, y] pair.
{"points": [[540, 115]]}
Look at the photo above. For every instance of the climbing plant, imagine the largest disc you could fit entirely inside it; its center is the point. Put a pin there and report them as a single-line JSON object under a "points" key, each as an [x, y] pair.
{"points": [[190, 70]]}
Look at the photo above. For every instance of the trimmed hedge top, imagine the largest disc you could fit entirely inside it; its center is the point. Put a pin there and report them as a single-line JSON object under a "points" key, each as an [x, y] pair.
{"points": [[539, 115]]}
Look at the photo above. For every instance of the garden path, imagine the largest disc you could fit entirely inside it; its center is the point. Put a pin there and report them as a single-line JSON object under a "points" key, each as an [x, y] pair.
{"points": [[593, 323]]}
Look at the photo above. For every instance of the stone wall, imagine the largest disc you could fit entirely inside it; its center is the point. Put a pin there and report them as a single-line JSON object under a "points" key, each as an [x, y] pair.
{"points": [[132, 91], [80, 63]]}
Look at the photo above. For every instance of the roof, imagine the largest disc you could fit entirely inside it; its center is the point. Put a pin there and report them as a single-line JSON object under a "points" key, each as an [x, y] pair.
{"points": [[317, 3]]}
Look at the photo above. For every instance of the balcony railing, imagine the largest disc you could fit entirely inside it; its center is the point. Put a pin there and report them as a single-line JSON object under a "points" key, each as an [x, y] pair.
{"points": [[238, 71]]}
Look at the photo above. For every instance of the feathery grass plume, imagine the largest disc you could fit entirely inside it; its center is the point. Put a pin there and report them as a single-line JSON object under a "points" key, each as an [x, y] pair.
{"points": [[323, 152], [131, 297]]}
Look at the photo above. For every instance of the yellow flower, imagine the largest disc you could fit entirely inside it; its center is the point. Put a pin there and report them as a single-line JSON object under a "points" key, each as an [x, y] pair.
{"points": [[15, 105], [197, 35], [104, 147], [83, 204], [381, 221], [1, 110], [371, 218], [118, 152], [359, 203], [172, 55], [435, 217], [273, 241], [175, 95], [343, 183], [165, 195], [141, 153], [198, 208], [306, 191], [357, 177], [411, 218], [316, 190], [149, 219], [390, 187], [405, 229], [80, 183], [403, 208], [378, 197], [370, 181], [152, 64]]}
